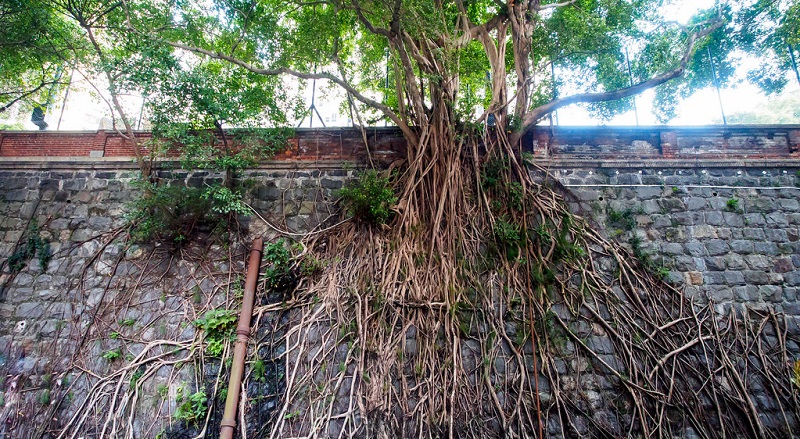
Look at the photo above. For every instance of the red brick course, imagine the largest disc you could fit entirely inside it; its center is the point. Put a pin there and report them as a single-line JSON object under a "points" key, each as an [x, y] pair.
{"points": [[386, 144]]}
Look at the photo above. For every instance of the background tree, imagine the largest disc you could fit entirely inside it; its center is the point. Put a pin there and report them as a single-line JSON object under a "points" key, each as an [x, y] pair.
{"points": [[783, 110], [43, 39], [33, 41], [770, 31]]}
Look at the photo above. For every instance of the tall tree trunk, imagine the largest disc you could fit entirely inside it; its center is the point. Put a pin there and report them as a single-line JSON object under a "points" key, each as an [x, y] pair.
{"points": [[129, 135], [496, 52], [522, 25]]}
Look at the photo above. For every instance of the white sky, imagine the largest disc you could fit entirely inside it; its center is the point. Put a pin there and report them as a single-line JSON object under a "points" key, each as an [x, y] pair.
{"points": [[85, 110]]}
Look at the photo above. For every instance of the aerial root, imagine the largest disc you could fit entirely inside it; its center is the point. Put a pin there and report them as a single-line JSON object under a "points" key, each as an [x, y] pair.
{"points": [[485, 312]]}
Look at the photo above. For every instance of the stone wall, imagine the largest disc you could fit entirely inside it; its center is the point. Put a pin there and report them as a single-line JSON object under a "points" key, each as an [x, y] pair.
{"points": [[723, 231], [726, 231], [717, 209], [103, 302]]}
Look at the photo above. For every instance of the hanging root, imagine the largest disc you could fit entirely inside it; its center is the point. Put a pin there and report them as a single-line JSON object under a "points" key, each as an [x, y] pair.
{"points": [[149, 385], [489, 310]]}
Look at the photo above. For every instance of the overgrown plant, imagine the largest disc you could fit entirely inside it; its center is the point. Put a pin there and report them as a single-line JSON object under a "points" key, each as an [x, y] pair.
{"points": [[370, 198], [173, 213], [218, 327], [192, 409], [33, 245], [625, 220], [279, 276], [113, 354], [509, 237]]}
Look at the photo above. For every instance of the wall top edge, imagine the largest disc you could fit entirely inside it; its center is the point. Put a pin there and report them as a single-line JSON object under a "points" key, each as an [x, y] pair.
{"points": [[116, 163], [59, 163]]}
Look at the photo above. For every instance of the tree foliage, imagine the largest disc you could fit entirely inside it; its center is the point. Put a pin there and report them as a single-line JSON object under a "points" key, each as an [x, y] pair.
{"points": [[499, 55], [34, 42], [768, 29]]}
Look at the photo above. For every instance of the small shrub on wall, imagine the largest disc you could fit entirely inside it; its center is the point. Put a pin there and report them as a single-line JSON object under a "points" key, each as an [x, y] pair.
{"points": [[370, 198], [171, 215]]}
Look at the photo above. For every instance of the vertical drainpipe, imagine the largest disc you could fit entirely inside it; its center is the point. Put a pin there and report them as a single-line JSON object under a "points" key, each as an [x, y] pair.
{"points": [[228, 424]]}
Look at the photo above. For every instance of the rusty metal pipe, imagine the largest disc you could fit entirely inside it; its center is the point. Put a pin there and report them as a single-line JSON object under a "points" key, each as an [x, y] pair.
{"points": [[228, 424]]}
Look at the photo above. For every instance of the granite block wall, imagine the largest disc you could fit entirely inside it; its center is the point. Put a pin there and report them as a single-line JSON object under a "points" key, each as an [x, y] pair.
{"points": [[724, 229], [103, 302], [729, 234]]}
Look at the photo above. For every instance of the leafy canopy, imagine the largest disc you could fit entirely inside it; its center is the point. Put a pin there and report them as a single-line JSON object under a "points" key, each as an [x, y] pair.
{"points": [[34, 42], [209, 63]]}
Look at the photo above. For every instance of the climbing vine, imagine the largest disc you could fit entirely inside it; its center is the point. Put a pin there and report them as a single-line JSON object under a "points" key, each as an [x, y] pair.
{"points": [[369, 198], [33, 245], [218, 327]]}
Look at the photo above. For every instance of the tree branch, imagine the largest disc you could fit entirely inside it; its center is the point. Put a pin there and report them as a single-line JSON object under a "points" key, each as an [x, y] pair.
{"points": [[104, 13], [554, 5], [424, 63], [534, 115], [24, 95], [475, 30], [302, 75], [112, 88], [365, 21]]}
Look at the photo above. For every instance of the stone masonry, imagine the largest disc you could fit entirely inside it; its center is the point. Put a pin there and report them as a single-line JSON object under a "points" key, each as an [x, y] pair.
{"points": [[718, 210], [114, 296]]}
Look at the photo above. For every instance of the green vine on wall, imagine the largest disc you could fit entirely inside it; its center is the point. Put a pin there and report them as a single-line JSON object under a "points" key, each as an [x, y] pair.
{"points": [[34, 245], [218, 327], [192, 408]]}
